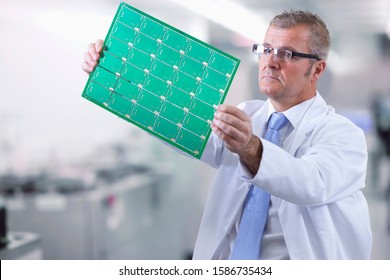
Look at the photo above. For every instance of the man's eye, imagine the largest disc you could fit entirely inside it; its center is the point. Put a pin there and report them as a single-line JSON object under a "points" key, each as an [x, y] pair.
{"points": [[283, 52]]}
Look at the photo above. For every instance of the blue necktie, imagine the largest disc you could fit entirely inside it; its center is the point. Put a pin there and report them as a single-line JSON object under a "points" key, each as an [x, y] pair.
{"points": [[256, 206]]}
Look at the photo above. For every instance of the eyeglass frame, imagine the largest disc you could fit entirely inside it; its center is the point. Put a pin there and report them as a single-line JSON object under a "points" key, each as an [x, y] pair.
{"points": [[276, 50]]}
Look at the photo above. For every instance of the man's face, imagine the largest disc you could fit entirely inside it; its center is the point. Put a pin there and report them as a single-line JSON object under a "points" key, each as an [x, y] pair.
{"points": [[287, 82]]}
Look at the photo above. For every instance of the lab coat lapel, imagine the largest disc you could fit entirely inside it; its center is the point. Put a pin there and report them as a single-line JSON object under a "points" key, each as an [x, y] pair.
{"points": [[314, 114], [259, 121]]}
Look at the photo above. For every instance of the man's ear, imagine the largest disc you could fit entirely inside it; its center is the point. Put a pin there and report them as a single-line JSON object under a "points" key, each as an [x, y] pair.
{"points": [[319, 68]]}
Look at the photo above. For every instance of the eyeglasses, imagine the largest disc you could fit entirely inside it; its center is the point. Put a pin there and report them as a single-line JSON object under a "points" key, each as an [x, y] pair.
{"points": [[282, 54]]}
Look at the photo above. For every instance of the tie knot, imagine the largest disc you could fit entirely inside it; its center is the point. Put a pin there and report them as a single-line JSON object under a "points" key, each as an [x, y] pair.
{"points": [[277, 121]]}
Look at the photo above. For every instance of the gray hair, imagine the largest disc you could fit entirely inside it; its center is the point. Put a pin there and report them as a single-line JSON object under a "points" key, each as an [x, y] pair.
{"points": [[319, 39]]}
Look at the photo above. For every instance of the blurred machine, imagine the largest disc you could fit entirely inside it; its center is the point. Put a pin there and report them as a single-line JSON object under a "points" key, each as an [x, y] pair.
{"points": [[21, 246], [17, 245], [381, 109], [126, 213]]}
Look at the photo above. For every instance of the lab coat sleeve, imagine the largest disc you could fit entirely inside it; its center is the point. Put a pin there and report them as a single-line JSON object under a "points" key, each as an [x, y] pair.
{"points": [[213, 152], [329, 165]]}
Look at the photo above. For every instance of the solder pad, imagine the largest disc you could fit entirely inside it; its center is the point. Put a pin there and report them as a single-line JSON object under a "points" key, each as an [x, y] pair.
{"points": [[161, 79]]}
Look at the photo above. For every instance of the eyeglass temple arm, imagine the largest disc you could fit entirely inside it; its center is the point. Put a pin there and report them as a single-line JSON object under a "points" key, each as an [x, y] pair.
{"points": [[305, 55]]}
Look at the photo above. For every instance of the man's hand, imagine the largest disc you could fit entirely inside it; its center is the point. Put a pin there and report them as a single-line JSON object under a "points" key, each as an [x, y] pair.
{"points": [[234, 127], [92, 56]]}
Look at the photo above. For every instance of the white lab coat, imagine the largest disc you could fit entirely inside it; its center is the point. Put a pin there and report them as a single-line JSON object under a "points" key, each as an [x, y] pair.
{"points": [[316, 185]]}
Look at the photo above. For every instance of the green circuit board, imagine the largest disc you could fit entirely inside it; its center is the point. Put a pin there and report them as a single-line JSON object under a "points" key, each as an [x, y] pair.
{"points": [[160, 79]]}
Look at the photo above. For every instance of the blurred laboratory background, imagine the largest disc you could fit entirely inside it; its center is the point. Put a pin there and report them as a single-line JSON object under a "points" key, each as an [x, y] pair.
{"points": [[77, 182]]}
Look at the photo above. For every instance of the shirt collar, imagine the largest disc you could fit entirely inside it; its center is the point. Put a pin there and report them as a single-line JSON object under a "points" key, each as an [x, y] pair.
{"points": [[294, 114]]}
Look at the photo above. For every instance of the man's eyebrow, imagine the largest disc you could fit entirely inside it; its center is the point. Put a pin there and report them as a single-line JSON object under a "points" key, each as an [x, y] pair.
{"points": [[280, 47]]}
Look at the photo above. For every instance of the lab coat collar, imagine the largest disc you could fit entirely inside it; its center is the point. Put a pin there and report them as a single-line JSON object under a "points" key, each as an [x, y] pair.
{"points": [[316, 110]]}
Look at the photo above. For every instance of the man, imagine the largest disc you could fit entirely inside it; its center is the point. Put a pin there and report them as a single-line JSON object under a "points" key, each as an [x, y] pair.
{"points": [[312, 167]]}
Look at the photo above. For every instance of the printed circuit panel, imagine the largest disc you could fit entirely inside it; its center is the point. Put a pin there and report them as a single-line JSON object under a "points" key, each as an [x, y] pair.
{"points": [[161, 79]]}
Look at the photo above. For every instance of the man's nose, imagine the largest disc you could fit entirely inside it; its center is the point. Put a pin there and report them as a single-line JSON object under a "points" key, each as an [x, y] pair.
{"points": [[271, 61]]}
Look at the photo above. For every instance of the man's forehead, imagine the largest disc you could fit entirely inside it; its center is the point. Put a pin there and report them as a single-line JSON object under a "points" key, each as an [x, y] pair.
{"points": [[296, 37]]}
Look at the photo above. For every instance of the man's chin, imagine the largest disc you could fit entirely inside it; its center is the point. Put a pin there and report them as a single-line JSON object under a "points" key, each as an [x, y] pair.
{"points": [[268, 91]]}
